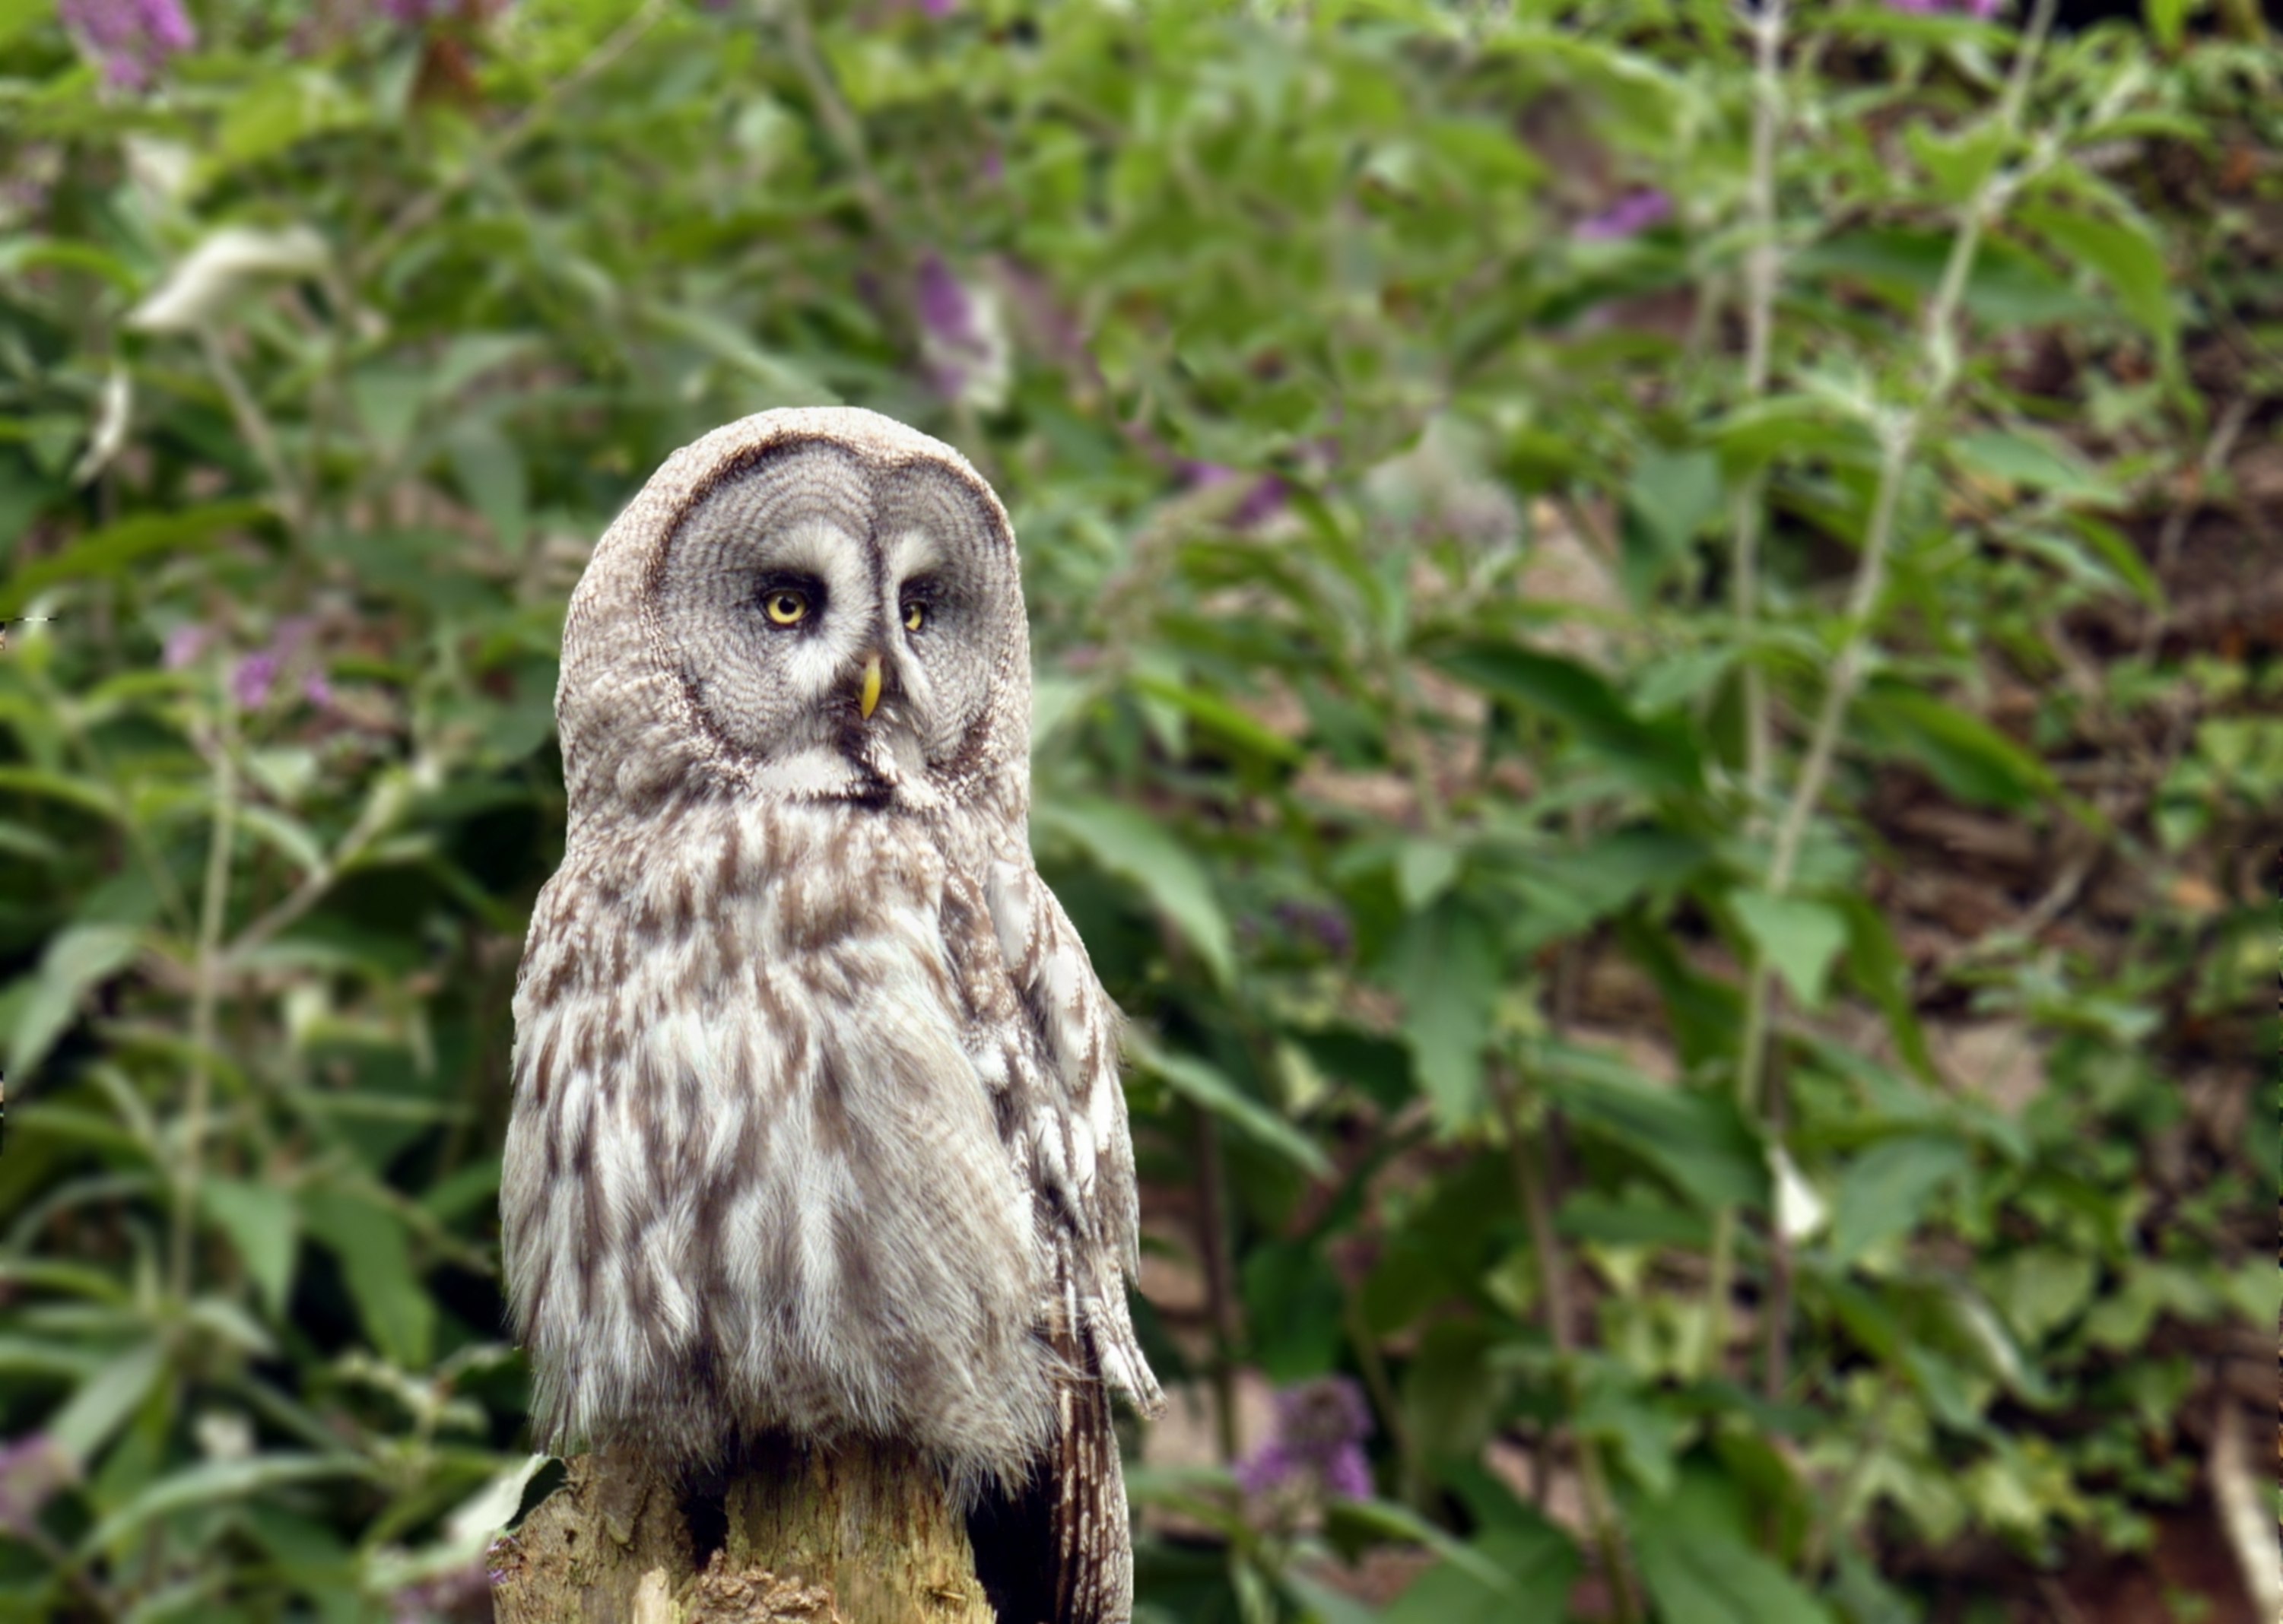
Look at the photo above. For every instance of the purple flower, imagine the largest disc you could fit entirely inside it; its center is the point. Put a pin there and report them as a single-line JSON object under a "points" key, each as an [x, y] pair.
{"points": [[1320, 1426], [31, 1471], [1629, 216], [250, 682], [316, 690], [1328, 927], [945, 309], [960, 337], [184, 644], [129, 39], [1263, 498]]}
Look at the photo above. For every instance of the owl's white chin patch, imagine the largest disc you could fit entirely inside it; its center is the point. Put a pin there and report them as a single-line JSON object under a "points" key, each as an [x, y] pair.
{"points": [[892, 757], [887, 764]]}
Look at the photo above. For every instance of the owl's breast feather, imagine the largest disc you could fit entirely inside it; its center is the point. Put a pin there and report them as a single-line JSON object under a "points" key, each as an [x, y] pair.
{"points": [[753, 1177]]}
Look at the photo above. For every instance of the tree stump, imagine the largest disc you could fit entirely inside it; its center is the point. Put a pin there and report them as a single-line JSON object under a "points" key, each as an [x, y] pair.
{"points": [[860, 1533]]}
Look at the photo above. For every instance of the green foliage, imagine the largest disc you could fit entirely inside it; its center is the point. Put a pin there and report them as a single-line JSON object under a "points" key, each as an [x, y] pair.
{"points": [[1472, 707]]}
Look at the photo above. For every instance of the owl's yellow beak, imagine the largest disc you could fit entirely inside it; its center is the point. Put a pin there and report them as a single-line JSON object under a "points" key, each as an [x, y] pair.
{"points": [[868, 701]]}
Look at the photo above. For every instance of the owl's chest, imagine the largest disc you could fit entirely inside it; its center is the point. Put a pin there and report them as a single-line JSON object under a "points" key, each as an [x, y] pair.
{"points": [[777, 909]]}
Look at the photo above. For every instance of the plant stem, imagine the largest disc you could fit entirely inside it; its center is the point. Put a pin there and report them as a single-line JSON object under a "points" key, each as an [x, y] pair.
{"points": [[1899, 438], [1538, 1212], [1762, 267], [1411, 1477], [205, 976], [1221, 1285], [254, 424]]}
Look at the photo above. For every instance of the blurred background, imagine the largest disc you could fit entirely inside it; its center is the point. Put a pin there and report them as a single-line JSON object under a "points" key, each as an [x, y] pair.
{"points": [[1657, 632]]}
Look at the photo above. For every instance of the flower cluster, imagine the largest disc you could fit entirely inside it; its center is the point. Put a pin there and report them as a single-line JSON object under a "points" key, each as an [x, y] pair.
{"points": [[1263, 499], [255, 675], [1629, 216], [130, 40], [32, 1470], [960, 336], [1318, 1444]]}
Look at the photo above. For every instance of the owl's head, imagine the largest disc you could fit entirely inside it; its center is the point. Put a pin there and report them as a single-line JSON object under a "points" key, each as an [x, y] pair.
{"points": [[816, 604]]}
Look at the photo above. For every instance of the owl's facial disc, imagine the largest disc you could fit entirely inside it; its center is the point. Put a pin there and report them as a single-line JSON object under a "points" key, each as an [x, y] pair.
{"points": [[842, 623]]}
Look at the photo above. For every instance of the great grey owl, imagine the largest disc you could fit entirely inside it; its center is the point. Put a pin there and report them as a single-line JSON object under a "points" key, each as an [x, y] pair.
{"points": [[817, 1128]]}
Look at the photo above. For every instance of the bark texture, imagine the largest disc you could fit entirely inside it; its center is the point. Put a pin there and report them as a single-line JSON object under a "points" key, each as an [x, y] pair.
{"points": [[859, 1534]]}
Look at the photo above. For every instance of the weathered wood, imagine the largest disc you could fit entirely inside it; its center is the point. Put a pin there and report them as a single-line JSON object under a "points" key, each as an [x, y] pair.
{"points": [[859, 1534]]}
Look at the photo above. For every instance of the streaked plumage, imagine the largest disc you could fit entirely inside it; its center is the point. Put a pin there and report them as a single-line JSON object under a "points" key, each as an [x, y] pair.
{"points": [[817, 1124]]}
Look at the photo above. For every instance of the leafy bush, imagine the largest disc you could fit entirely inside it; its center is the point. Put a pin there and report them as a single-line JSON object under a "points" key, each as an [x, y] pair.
{"points": [[1577, 562]]}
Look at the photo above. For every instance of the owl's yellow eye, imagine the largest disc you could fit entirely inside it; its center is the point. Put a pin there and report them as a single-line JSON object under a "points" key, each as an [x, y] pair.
{"points": [[914, 614], [784, 607]]}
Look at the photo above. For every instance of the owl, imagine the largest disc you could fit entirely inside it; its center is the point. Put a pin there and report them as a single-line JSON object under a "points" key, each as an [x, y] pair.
{"points": [[817, 1126]]}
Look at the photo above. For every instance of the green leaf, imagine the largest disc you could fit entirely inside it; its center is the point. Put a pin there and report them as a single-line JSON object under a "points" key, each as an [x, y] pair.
{"points": [[1445, 965], [1876, 964], [1791, 427], [1536, 1561], [2118, 553], [1424, 870], [1864, 1597], [1676, 493], [2042, 1289], [371, 1242], [1319, 1603], [1540, 1567], [1216, 715], [2035, 461], [1209, 1089], [116, 548], [1124, 842], [215, 1481], [2008, 285], [490, 473], [104, 1402], [19, 16], [2125, 253], [1647, 1435], [1699, 1576], [2167, 20], [1800, 937], [1388, 1519], [1570, 891], [287, 837], [1656, 755], [75, 960], [1957, 160], [1964, 754], [263, 1224], [1885, 1191], [1696, 1138]]}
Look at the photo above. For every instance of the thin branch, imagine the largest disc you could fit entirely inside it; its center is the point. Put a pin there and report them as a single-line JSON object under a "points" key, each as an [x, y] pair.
{"points": [[2224, 436], [1763, 268], [213, 905], [1529, 1194], [254, 424], [1220, 1279]]}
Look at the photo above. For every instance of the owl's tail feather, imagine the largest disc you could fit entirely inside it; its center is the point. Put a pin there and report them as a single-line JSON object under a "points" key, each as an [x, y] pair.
{"points": [[1058, 1549]]}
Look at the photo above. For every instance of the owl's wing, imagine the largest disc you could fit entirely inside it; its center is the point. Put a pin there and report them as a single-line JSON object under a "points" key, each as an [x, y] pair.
{"points": [[1079, 1142], [1056, 1549]]}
